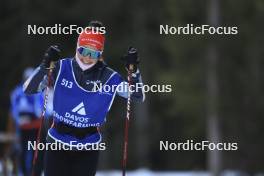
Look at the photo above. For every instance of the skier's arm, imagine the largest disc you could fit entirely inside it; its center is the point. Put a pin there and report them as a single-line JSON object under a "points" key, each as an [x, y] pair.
{"points": [[13, 109], [137, 93], [39, 79]]}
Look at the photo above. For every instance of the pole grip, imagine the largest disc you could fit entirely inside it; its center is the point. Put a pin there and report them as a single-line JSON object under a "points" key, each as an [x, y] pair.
{"points": [[130, 67], [52, 65]]}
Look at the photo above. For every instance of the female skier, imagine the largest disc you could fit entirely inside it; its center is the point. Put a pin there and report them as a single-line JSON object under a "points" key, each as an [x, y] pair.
{"points": [[79, 107]]}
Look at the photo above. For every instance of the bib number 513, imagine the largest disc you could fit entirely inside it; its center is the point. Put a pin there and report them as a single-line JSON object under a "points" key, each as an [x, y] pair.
{"points": [[66, 83]]}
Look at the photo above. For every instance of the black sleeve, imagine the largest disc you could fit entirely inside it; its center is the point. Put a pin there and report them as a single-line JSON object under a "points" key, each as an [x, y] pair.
{"points": [[38, 81], [137, 96]]}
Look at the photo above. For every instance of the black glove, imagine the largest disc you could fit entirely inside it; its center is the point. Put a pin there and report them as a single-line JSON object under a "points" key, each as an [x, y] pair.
{"points": [[52, 54], [131, 58]]}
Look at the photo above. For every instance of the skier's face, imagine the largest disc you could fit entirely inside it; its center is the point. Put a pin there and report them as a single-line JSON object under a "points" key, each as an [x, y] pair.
{"points": [[89, 59]]}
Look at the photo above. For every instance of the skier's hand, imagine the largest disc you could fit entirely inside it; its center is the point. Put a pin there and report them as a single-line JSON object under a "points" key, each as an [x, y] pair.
{"points": [[51, 54], [131, 58]]}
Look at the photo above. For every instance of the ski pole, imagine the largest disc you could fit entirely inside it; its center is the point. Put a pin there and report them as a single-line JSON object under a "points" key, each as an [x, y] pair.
{"points": [[52, 65], [130, 68]]}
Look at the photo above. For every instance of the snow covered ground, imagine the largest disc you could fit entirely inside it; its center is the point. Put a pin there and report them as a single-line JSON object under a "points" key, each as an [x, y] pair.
{"points": [[150, 173], [145, 172]]}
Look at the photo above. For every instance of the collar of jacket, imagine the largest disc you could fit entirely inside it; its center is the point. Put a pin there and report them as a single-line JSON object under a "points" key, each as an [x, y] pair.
{"points": [[98, 66]]}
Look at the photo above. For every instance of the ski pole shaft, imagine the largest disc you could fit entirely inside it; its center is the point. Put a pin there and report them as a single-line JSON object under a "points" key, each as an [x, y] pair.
{"points": [[35, 157], [125, 151]]}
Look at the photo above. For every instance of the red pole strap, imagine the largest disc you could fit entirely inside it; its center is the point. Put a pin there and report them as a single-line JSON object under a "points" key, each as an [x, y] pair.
{"points": [[125, 151]]}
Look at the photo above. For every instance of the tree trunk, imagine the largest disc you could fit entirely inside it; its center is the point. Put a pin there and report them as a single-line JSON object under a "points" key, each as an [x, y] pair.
{"points": [[141, 109], [213, 131]]}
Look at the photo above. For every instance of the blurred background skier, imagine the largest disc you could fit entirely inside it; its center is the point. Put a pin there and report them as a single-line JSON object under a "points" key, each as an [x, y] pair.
{"points": [[25, 112]]}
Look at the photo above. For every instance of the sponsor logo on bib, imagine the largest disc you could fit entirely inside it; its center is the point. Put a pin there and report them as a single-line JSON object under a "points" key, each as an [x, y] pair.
{"points": [[79, 109]]}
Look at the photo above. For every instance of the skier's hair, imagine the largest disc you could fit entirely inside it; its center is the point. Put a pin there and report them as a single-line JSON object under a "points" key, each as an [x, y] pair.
{"points": [[95, 23]]}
